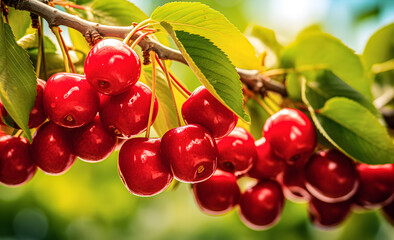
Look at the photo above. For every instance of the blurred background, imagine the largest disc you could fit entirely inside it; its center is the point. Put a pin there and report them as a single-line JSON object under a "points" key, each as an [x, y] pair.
{"points": [[90, 201]]}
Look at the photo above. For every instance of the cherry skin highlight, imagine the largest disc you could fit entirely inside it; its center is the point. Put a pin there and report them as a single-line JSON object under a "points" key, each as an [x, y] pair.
{"points": [[16, 165], [204, 109], [261, 205], [237, 152], [291, 134], [376, 185], [218, 194], [267, 164], [142, 170], [93, 142], [69, 100], [191, 152], [51, 149], [331, 176], [126, 115], [112, 67]]}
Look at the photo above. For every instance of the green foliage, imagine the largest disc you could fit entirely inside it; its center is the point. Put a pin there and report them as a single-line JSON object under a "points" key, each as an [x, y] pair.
{"points": [[199, 19], [267, 37], [212, 67], [316, 51], [19, 21], [17, 79]]}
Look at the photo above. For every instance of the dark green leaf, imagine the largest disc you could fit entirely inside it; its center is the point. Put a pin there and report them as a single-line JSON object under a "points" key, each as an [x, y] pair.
{"points": [[212, 68], [18, 83]]}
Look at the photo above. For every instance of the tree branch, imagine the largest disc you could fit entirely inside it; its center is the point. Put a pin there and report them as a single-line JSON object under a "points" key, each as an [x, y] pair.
{"points": [[254, 80]]}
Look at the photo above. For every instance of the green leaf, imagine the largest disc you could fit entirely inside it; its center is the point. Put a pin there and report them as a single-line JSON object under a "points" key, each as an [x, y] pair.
{"points": [[267, 37], [293, 86], [353, 129], [321, 51], [199, 19], [212, 68], [20, 22], [31, 41], [166, 117], [258, 117], [18, 83], [79, 41], [323, 85]]}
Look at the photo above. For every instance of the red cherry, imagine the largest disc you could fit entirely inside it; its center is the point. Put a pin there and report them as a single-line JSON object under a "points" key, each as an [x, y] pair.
{"points": [[261, 205], [267, 164], [204, 109], [93, 142], [16, 165], [112, 67], [37, 114], [388, 211], [237, 152], [327, 215], [142, 170], [217, 195], [51, 149], [293, 182], [69, 100], [331, 176], [291, 134], [127, 114], [191, 152], [376, 185]]}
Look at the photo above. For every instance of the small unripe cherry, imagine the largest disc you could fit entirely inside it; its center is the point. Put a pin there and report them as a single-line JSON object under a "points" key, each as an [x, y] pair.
{"points": [[218, 194], [291, 134], [112, 67], [204, 109], [237, 152], [69, 100], [16, 165]]}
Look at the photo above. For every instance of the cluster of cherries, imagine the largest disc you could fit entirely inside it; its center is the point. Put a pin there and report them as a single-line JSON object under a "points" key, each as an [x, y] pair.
{"points": [[89, 115]]}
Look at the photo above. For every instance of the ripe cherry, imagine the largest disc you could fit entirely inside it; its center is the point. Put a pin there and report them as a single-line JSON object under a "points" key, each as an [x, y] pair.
{"points": [[326, 215], [376, 185], [37, 114], [261, 205], [291, 134], [51, 149], [127, 114], [204, 109], [267, 164], [142, 170], [217, 195], [331, 176], [69, 100], [16, 165], [93, 142], [191, 151], [112, 67], [237, 152]]}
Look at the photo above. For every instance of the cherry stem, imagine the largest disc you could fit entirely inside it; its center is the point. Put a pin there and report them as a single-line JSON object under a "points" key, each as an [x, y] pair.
{"points": [[18, 133], [152, 100], [264, 105], [67, 4], [177, 82], [171, 90], [40, 46], [44, 63], [55, 31], [139, 39], [135, 29], [67, 53]]}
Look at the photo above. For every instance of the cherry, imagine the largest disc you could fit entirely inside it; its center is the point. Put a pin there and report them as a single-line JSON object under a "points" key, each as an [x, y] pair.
{"points": [[327, 215], [51, 149], [376, 185], [267, 164], [204, 109], [237, 152], [331, 176], [191, 151], [217, 195], [93, 142], [388, 211], [261, 205], [127, 114], [16, 165], [112, 67], [37, 114], [293, 182], [69, 100], [291, 134], [142, 170]]}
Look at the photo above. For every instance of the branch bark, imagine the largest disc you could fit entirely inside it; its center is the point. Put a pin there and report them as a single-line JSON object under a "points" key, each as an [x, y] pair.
{"points": [[254, 80]]}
